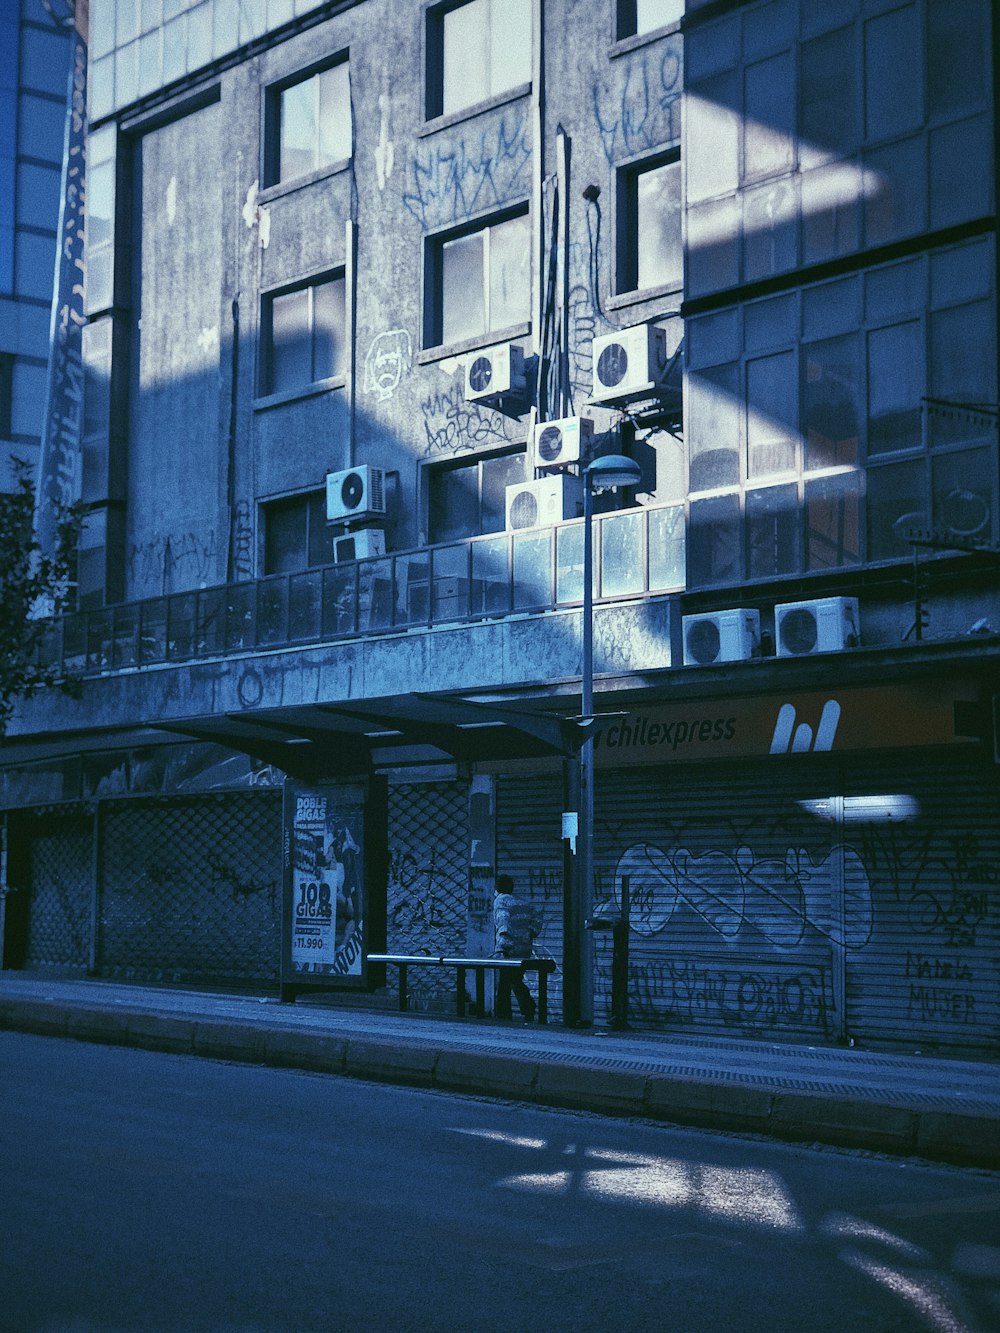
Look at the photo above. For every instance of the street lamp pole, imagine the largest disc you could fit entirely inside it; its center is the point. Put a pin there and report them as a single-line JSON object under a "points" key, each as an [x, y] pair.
{"points": [[603, 474]]}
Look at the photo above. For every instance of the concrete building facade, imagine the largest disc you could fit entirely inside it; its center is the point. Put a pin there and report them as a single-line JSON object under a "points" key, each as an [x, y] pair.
{"points": [[34, 81], [368, 288]]}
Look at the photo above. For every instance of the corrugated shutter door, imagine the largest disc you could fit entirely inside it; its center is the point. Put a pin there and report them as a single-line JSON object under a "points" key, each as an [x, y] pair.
{"points": [[428, 888], [191, 889], [730, 880], [805, 899], [529, 810], [924, 970]]}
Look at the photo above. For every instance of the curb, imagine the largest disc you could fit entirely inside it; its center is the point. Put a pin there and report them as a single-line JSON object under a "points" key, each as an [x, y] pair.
{"points": [[940, 1136]]}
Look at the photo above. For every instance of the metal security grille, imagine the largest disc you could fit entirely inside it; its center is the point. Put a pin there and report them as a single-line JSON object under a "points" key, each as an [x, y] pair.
{"points": [[61, 893], [428, 888], [191, 889]]}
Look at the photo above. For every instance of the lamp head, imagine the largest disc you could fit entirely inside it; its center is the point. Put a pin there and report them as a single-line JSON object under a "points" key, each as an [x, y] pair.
{"points": [[610, 471]]}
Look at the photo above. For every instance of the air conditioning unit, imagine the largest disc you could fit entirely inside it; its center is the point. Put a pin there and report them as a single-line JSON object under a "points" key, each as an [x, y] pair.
{"points": [[496, 372], [567, 440], [629, 364], [534, 504], [721, 636], [361, 544], [824, 625], [357, 493]]}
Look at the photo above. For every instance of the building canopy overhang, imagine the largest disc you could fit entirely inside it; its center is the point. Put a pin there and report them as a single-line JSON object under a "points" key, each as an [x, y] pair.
{"points": [[924, 694]]}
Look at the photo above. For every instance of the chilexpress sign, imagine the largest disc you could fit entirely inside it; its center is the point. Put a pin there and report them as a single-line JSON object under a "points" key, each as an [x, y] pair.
{"points": [[861, 719]]}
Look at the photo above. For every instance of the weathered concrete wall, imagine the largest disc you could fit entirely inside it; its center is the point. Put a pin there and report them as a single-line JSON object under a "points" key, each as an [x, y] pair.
{"points": [[175, 522], [634, 637], [214, 237]]}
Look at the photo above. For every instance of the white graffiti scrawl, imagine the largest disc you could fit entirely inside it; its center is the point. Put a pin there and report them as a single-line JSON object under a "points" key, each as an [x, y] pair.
{"points": [[388, 359], [730, 891]]}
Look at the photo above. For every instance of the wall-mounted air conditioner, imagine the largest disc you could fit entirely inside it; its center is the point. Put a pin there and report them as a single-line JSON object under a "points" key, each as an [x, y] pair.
{"points": [[823, 625], [721, 636], [357, 493], [629, 364], [496, 372], [533, 504], [567, 440], [360, 544]]}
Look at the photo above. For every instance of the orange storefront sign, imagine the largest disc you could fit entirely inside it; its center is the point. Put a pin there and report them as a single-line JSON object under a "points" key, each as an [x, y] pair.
{"points": [[876, 718]]}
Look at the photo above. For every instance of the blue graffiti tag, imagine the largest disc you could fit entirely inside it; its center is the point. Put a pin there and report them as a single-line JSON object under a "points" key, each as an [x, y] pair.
{"points": [[647, 113], [456, 179]]}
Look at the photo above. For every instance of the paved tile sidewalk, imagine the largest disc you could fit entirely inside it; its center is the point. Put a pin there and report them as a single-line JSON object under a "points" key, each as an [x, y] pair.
{"points": [[942, 1109]]}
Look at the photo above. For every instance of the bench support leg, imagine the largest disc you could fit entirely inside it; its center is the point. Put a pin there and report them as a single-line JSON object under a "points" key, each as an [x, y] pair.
{"points": [[460, 996], [543, 996], [481, 991], [403, 998]]}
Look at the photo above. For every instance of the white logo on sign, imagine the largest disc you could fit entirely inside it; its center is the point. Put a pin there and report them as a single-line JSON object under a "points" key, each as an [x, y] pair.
{"points": [[790, 738]]}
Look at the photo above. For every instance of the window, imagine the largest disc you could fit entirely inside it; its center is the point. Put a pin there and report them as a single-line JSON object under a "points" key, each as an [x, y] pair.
{"points": [[6, 394], [831, 403], [467, 499], [296, 533], [304, 335], [858, 421], [895, 386], [650, 252], [639, 16], [476, 51], [870, 125], [480, 281], [308, 124], [101, 191], [829, 98]]}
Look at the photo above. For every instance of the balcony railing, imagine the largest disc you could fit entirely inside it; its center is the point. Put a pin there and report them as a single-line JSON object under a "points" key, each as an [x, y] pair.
{"points": [[637, 551]]}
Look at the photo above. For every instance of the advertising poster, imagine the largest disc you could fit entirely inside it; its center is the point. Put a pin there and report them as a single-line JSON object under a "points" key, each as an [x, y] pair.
{"points": [[324, 882]]}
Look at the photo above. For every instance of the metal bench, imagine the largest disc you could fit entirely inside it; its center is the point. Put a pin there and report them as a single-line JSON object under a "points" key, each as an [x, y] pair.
{"points": [[403, 962]]}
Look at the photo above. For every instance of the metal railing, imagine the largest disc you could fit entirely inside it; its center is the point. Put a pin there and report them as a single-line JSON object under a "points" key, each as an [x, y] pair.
{"points": [[637, 551]]}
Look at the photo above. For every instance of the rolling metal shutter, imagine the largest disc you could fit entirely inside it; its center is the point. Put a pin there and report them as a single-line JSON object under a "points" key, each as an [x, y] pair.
{"points": [[927, 973], [809, 899], [191, 889], [731, 899], [529, 847]]}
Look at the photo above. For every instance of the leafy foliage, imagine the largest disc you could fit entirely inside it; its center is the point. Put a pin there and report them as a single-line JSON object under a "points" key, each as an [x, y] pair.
{"points": [[34, 585]]}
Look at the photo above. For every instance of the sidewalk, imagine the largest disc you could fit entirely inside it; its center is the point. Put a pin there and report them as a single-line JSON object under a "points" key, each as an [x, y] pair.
{"points": [[940, 1109]]}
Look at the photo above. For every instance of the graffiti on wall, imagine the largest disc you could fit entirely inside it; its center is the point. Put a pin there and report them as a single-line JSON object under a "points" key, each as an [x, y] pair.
{"points": [[424, 893], [455, 178], [227, 877], [185, 560], [947, 893], [730, 891], [242, 541], [545, 885], [583, 331], [451, 425], [943, 892], [731, 936], [387, 360], [643, 110], [701, 988]]}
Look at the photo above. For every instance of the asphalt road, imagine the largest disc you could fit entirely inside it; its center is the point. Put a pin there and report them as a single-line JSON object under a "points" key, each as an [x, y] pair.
{"points": [[150, 1191]]}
